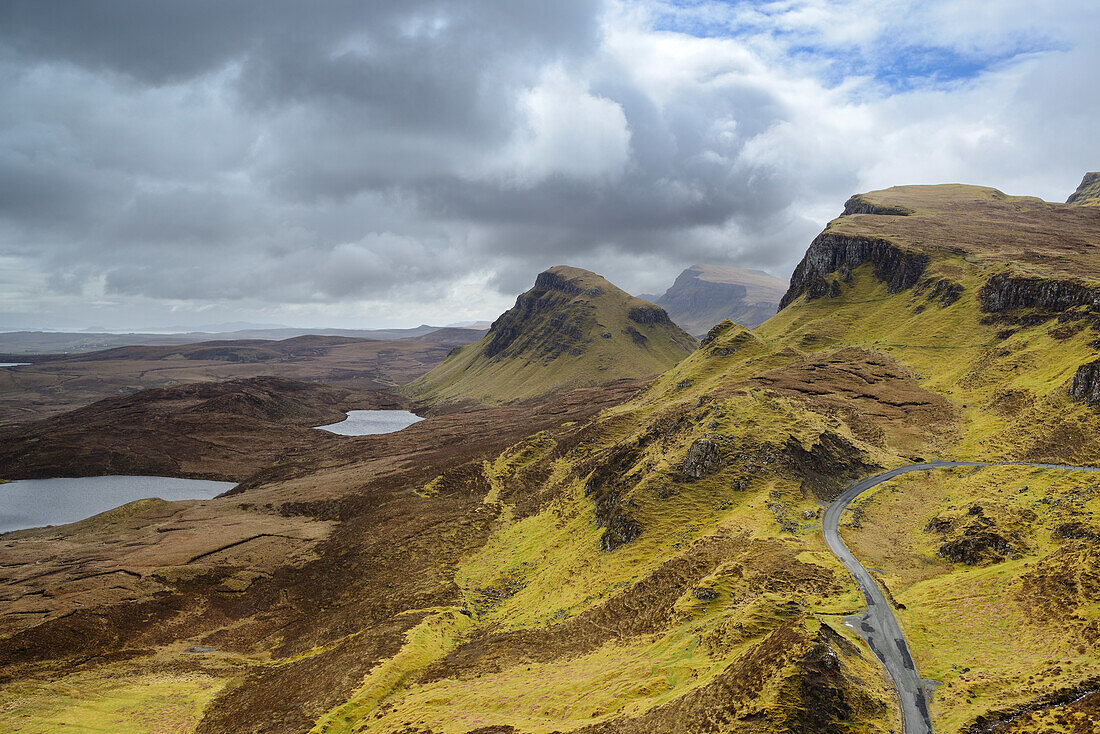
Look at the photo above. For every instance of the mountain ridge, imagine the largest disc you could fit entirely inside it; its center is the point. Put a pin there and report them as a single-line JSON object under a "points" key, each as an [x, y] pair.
{"points": [[703, 295], [572, 328]]}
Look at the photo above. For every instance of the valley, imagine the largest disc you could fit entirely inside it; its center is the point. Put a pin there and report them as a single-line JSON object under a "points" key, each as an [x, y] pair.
{"points": [[602, 525], [57, 383]]}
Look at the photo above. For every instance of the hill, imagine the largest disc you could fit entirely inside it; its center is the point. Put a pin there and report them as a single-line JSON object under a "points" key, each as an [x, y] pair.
{"points": [[1088, 193], [572, 329], [704, 295], [658, 565]]}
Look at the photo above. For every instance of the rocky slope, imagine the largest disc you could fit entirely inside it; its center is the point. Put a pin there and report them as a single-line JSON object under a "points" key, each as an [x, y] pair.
{"points": [[704, 295], [1088, 193], [573, 328], [656, 565]]}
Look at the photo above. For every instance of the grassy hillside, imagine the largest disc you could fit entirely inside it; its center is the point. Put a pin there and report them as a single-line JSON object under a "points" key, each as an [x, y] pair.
{"points": [[659, 566], [1088, 193], [572, 329], [667, 571]]}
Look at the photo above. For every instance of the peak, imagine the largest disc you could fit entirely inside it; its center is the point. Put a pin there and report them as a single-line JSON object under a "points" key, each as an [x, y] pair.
{"points": [[568, 271], [1088, 193], [572, 328], [574, 281]]}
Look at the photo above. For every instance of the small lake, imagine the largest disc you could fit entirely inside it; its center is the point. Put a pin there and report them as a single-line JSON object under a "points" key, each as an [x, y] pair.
{"points": [[32, 503], [369, 422], [14, 364]]}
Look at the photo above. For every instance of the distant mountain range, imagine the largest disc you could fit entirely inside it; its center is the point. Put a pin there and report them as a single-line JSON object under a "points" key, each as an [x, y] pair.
{"points": [[704, 295], [55, 342]]}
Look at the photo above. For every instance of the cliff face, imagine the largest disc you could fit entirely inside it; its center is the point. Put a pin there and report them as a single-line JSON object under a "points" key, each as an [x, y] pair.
{"points": [[572, 329], [553, 294], [1085, 387], [704, 295], [1004, 292], [830, 253], [901, 230], [859, 204]]}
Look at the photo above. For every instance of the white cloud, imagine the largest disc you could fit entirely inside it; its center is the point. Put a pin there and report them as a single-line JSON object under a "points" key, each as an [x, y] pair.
{"points": [[564, 130]]}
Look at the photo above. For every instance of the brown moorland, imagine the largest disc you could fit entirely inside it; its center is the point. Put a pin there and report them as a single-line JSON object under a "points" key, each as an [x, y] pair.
{"points": [[67, 382], [983, 223], [204, 430], [323, 564]]}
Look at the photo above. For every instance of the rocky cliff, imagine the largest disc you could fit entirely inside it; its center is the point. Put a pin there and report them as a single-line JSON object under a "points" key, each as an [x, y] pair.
{"points": [[837, 254], [1005, 292], [900, 230], [1085, 387]]}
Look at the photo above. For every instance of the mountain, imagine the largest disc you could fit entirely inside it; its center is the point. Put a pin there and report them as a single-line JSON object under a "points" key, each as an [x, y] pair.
{"points": [[1088, 193], [573, 328], [648, 560], [703, 295]]}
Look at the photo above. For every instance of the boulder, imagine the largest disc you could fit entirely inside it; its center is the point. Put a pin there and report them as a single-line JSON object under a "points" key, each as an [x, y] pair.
{"points": [[703, 457], [1085, 387]]}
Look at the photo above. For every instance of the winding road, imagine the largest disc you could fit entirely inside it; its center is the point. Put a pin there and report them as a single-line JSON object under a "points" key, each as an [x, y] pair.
{"points": [[877, 625]]}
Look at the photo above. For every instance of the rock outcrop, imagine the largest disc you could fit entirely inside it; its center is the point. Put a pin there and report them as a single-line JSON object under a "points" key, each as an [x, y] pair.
{"points": [[832, 253], [1006, 292], [858, 204], [1085, 387], [829, 463], [608, 486], [703, 457]]}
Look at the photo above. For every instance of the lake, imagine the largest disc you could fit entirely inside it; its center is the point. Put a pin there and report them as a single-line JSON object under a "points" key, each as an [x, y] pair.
{"points": [[13, 364], [369, 422], [32, 503]]}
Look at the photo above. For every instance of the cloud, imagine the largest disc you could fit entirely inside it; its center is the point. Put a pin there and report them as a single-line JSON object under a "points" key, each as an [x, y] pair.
{"points": [[389, 162], [564, 131]]}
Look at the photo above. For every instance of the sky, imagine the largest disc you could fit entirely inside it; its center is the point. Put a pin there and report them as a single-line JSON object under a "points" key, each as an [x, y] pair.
{"points": [[383, 164]]}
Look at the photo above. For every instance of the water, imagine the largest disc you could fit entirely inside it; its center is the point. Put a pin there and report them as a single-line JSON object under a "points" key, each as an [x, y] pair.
{"points": [[32, 503], [13, 364], [368, 422]]}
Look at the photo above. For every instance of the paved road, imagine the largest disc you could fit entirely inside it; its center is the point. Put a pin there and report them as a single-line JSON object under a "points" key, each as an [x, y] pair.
{"points": [[877, 626]]}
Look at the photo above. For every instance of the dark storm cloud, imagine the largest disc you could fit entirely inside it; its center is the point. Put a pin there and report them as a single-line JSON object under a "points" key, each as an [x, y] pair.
{"points": [[285, 153]]}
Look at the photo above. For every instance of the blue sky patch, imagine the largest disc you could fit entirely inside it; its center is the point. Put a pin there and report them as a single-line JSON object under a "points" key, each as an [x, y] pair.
{"points": [[898, 66]]}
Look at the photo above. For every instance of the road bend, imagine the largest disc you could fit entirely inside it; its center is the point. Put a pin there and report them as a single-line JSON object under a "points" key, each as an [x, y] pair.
{"points": [[877, 625]]}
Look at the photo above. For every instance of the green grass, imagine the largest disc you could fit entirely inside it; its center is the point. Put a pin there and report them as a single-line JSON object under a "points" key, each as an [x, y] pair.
{"points": [[543, 570], [988, 633], [113, 699]]}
